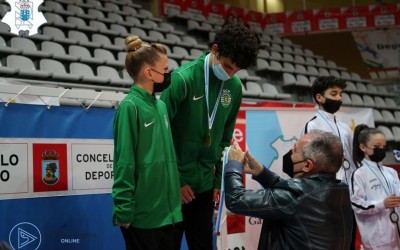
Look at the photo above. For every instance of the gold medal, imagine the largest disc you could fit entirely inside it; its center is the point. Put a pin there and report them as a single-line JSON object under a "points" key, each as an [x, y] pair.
{"points": [[207, 140]]}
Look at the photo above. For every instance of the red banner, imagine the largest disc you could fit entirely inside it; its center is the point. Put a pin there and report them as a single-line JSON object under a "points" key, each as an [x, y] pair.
{"points": [[254, 17], [275, 23], [193, 5], [334, 19], [215, 8], [385, 15], [327, 19], [299, 21], [239, 12], [356, 17]]}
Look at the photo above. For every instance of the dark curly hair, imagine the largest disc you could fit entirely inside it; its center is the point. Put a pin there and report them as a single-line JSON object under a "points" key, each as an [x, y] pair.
{"points": [[323, 83], [238, 43]]}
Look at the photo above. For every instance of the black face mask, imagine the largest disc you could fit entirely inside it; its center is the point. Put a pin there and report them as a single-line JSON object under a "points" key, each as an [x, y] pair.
{"points": [[331, 106], [378, 155], [160, 86], [287, 164]]}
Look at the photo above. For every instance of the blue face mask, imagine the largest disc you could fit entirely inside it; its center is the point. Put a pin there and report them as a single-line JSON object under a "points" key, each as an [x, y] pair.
{"points": [[219, 72]]}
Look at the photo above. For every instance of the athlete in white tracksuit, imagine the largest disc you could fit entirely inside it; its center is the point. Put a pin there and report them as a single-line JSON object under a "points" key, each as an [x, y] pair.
{"points": [[327, 92], [370, 185]]}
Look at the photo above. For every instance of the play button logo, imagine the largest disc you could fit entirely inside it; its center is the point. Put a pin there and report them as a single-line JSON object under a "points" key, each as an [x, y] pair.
{"points": [[24, 238], [25, 235]]}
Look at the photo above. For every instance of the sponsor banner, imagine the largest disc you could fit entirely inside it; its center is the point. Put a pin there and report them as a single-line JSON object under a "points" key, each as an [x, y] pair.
{"points": [[254, 17], [194, 6], [56, 173], [275, 23], [170, 5], [385, 15], [379, 48], [299, 21], [327, 19], [333, 19], [356, 17], [35, 167], [215, 8], [232, 10], [43, 152], [269, 134]]}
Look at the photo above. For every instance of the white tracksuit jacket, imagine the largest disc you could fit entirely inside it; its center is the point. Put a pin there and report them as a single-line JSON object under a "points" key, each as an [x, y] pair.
{"points": [[368, 189], [326, 122]]}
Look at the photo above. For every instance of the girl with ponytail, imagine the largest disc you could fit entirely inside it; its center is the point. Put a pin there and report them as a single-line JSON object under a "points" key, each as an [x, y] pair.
{"points": [[146, 189], [374, 191]]}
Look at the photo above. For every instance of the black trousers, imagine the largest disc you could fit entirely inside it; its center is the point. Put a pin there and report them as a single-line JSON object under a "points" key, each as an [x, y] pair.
{"points": [[163, 238], [197, 222]]}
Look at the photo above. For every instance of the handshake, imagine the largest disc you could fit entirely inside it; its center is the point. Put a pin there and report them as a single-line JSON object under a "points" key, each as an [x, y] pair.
{"points": [[250, 164]]}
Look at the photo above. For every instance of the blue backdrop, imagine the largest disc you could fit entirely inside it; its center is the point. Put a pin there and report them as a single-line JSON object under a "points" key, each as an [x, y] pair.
{"points": [[61, 222]]}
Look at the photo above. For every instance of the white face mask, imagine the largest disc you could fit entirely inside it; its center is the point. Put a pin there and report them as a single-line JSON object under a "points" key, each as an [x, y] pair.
{"points": [[219, 72]]}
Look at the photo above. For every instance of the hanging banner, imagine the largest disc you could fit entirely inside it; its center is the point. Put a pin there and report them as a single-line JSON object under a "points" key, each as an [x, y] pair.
{"points": [[299, 21], [194, 6], [269, 134], [255, 20], [356, 17], [254, 17], [275, 23], [173, 6], [56, 173], [236, 11], [56, 177], [379, 48], [385, 15], [327, 19], [215, 10]]}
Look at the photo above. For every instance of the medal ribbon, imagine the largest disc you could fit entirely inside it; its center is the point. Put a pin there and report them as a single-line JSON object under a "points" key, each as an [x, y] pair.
{"points": [[222, 209], [206, 79], [327, 122]]}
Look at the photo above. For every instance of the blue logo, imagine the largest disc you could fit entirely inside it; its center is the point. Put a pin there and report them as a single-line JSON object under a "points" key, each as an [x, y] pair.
{"points": [[25, 236], [25, 14]]}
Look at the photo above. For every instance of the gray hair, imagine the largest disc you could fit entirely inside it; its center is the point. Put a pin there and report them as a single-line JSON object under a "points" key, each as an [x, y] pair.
{"points": [[325, 150]]}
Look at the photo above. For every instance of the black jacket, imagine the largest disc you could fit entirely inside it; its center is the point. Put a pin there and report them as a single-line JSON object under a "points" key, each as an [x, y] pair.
{"points": [[312, 212]]}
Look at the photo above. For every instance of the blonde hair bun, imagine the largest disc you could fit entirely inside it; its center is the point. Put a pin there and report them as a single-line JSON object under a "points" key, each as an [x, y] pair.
{"points": [[132, 43]]}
